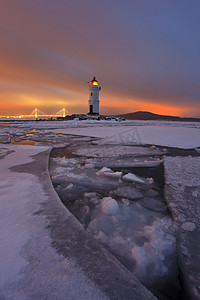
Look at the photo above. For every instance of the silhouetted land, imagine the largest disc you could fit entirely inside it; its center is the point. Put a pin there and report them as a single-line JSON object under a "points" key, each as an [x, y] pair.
{"points": [[145, 115]]}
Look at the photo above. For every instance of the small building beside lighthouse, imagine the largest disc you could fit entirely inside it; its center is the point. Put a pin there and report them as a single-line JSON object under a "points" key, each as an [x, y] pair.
{"points": [[94, 90]]}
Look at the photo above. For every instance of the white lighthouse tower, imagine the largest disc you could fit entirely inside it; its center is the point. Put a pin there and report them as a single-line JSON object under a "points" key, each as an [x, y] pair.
{"points": [[94, 97]]}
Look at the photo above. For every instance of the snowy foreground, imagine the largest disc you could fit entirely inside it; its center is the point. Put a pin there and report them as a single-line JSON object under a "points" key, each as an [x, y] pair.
{"points": [[127, 234]]}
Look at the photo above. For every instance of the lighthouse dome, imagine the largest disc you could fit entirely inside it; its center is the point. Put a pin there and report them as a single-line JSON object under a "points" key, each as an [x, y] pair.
{"points": [[94, 81]]}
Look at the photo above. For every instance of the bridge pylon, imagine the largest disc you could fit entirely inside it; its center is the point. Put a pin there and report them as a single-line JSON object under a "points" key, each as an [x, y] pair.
{"points": [[35, 112], [62, 112]]}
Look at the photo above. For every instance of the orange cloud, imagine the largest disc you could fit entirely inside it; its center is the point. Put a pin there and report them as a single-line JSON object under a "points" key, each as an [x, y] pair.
{"points": [[119, 106]]}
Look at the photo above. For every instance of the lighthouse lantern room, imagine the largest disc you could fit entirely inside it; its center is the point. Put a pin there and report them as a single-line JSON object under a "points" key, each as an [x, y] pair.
{"points": [[94, 90]]}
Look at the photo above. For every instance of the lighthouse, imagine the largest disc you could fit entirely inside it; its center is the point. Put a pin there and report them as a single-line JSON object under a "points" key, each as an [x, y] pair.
{"points": [[94, 90]]}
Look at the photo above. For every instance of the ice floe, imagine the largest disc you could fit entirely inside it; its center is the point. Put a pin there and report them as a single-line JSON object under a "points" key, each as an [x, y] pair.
{"points": [[133, 178]]}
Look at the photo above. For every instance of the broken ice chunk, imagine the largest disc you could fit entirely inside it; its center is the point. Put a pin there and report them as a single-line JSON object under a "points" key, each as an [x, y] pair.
{"points": [[152, 193], [85, 210], [109, 173], [93, 197], [133, 178], [94, 200], [101, 236], [103, 170], [89, 166], [116, 175], [128, 192], [90, 195], [69, 186], [197, 149], [109, 205], [153, 204], [150, 180], [195, 194], [65, 162], [125, 201]]}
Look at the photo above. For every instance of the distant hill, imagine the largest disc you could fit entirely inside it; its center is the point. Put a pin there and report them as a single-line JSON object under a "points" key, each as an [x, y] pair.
{"points": [[145, 115]]}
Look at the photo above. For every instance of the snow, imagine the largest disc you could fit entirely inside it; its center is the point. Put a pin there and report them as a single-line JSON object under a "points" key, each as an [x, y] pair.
{"points": [[174, 134], [180, 137], [169, 134], [14, 227], [188, 226], [131, 219], [21, 195], [182, 188], [182, 192]]}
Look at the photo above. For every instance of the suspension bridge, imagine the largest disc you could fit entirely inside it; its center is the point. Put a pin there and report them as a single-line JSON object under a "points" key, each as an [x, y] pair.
{"points": [[36, 113]]}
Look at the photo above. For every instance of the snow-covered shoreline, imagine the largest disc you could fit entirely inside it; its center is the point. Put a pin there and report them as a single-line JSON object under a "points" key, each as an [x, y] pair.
{"points": [[162, 133], [44, 249]]}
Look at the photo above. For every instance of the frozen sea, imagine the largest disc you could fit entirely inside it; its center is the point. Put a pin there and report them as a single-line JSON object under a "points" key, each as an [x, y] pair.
{"points": [[82, 201]]}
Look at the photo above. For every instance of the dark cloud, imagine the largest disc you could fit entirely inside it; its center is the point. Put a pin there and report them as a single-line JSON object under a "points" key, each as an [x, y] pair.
{"points": [[143, 51]]}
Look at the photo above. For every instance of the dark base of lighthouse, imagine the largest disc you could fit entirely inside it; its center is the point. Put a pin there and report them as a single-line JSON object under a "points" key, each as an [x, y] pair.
{"points": [[91, 111]]}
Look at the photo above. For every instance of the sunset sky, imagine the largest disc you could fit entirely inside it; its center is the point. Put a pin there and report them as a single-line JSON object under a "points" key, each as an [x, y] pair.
{"points": [[144, 53]]}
